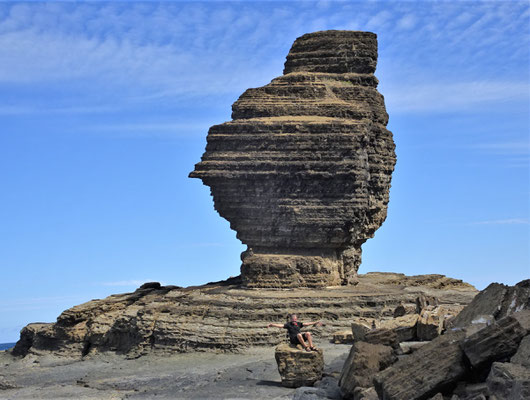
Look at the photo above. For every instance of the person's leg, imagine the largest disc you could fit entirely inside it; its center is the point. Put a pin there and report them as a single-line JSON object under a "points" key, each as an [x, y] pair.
{"points": [[301, 339], [309, 339]]}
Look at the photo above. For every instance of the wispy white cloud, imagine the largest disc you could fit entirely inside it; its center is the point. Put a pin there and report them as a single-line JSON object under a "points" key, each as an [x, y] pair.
{"points": [[162, 129], [454, 96], [508, 221], [517, 148], [150, 52], [33, 110]]}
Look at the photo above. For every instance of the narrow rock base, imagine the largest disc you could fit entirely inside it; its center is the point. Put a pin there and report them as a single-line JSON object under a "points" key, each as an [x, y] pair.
{"points": [[299, 367], [303, 269]]}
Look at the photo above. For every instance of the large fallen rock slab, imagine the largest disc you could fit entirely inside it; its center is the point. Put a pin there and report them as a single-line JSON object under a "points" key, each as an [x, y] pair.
{"points": [[364, 360], [508, 381], [299, 367], [498, 341], [497, 300], [434, 368]]}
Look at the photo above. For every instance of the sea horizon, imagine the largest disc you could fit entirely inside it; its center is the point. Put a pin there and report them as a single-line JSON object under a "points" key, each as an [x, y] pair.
{"points": [[6, 346]]}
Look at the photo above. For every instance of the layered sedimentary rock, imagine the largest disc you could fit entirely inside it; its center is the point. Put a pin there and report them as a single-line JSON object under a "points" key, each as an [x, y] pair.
{"points": [[299, 367], [223, 316], [303, 171]]}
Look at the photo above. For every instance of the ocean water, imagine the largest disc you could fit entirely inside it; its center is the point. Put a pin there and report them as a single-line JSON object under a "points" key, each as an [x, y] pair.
{"points": [[5, 346]]}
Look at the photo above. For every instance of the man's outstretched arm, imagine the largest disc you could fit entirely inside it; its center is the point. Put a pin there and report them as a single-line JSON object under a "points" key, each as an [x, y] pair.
{"points": [[275, 326], [312, 323]]}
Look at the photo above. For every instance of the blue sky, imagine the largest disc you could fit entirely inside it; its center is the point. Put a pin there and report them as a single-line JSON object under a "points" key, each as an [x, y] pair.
{"points": [[105, 109]]}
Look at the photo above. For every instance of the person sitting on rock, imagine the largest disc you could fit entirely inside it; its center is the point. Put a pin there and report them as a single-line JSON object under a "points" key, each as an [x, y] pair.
{"points": [[293, 327]]}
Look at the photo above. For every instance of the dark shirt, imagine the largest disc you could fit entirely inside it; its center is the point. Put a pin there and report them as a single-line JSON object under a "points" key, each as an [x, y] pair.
{"points": [[293, 328]]}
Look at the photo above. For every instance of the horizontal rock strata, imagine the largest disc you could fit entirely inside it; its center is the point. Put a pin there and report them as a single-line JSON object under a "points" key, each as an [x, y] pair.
{"points": [[303, 171], [222, 316]]}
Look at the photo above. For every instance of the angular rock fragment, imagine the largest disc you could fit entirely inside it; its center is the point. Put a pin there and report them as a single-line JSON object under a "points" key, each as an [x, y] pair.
{"points": [[383, 336], [404, 326], [365, 394], [471, 391], [364, 360], [433, 320], [423, 301], [359, 328], [299, 367], [522, 357], [303, 170], [434, 368], [344, 337], [508, 381], [410, 347], [497, 300], [498, 341]]}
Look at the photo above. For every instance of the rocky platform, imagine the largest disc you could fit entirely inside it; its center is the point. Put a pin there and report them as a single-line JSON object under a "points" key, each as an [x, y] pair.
{"points": [[303, 170], [224, 316]]}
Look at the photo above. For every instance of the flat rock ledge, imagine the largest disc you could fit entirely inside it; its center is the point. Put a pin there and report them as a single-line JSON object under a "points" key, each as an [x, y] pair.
{"points": [[224, 316], [298, 367]]}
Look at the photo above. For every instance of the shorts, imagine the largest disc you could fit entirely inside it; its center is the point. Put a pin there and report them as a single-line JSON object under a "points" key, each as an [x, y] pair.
{"points": [[294, 339]]}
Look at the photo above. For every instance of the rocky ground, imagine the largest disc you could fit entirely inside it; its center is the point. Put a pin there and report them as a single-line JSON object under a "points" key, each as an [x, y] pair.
{"points": [[249, 375]]}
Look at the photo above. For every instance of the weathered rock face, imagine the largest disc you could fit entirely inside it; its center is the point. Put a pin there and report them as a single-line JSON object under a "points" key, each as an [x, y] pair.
{"points": [[469, 361], [497, 300], [299, 367], [429, 370], [363, 362], [303, 171]]}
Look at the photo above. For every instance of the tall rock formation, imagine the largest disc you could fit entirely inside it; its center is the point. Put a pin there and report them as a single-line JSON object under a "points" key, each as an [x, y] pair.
{"points": [[303, 171]]}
